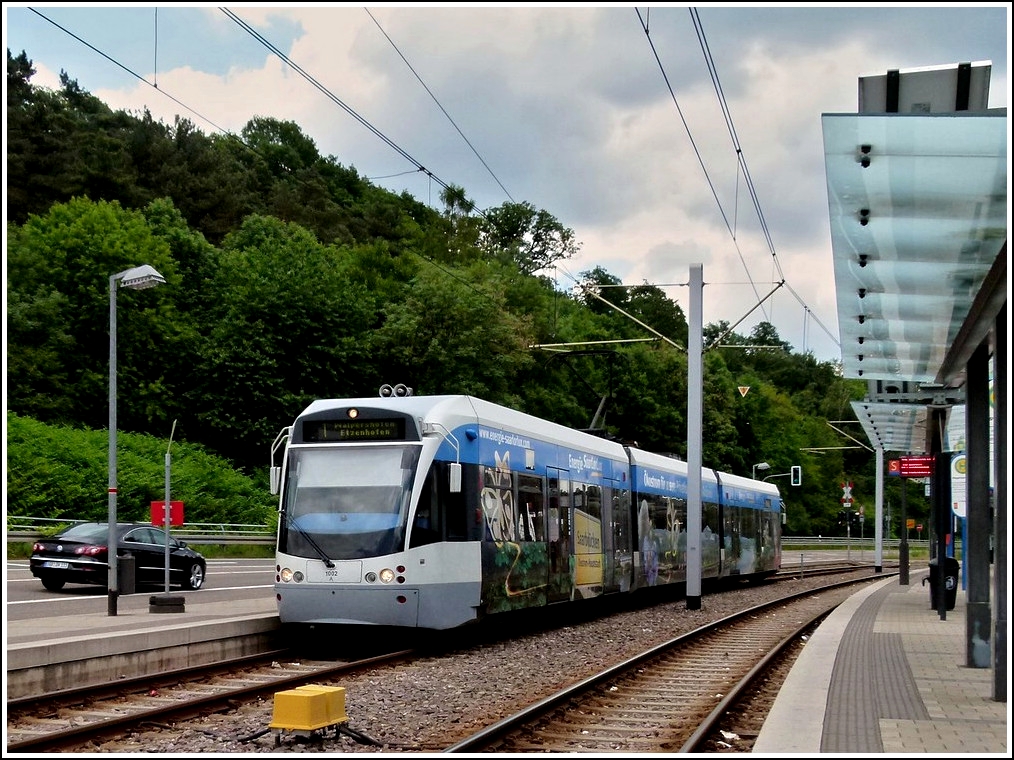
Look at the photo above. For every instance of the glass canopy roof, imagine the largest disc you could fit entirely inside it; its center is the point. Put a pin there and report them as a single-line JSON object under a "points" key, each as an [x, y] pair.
{"points": [[918, 214]]}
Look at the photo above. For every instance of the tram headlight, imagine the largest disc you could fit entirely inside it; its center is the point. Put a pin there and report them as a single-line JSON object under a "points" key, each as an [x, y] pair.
{"points": [[286, 575], [371, 577], [386, 575]]}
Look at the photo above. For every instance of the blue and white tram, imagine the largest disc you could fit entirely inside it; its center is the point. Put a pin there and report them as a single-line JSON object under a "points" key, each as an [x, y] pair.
{"points": [[740, 522], [437, 511]]}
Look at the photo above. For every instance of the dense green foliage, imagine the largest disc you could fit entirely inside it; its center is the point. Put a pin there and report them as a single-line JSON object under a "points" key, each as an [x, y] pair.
{"points": [[289, 277], [57, 472]]}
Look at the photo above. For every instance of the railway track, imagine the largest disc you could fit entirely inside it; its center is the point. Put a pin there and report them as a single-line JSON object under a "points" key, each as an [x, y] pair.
{"points": [[112, 717], [672, 698], [77, 717]]}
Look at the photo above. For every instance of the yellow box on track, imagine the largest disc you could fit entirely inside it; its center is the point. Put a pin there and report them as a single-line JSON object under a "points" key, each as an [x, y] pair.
{"points": [[309, 707]]}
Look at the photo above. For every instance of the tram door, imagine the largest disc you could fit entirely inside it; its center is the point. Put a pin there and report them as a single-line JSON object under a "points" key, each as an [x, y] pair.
{"points": [[558, 508], [620, 565]]}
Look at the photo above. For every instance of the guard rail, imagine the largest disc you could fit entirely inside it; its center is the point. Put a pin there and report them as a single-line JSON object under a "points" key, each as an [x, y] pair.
{"points": [[25, 529]]}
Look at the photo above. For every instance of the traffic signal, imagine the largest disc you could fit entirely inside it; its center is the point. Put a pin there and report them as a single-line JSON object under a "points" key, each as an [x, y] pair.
{"points": [[796, 475]]}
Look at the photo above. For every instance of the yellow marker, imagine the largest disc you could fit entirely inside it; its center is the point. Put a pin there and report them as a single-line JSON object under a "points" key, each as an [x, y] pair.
{"points": [[307, 708]]}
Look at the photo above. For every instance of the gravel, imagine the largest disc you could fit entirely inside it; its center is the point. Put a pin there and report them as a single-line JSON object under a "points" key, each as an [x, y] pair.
{"points": [[468, 681]]}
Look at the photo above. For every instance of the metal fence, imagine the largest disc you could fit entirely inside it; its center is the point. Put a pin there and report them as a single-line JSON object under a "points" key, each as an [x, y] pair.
{"points": [[25, 529], [841, 542]]}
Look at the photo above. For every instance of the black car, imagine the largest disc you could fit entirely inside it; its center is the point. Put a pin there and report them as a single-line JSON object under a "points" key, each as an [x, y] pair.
{"points": [[79, 554]]}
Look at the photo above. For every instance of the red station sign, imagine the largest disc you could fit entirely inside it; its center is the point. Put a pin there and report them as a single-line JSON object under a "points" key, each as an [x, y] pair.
{"points": [[916, 467], [175, 513]]}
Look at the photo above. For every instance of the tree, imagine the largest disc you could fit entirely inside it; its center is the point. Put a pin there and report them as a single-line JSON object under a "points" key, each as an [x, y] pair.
{"points": [[292, 277], [598, 285], [463, 234], [652, 307], [280, 144], [456, 202], [532, 239], [49, 153], [288, 326], [58, 269], [765, 334], [455, 332], [210, 186]]}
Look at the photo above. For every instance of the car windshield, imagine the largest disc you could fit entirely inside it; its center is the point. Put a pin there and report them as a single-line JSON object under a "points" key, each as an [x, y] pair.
{"points": [[87, 532]]}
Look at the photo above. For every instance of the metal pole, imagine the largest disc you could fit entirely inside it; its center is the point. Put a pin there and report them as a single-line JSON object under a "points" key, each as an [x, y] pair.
{"points": [[695, 402], [166, 509], [903, 545], [168, 469], [112, 581], [878, 516]]}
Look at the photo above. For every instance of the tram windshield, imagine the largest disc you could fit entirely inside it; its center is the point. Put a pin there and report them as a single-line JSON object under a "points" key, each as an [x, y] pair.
{"points": [[347, 502]]}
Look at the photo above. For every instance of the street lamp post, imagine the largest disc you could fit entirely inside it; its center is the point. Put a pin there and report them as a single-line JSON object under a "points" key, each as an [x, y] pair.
{"points": [[759, 466], [137, 278]]}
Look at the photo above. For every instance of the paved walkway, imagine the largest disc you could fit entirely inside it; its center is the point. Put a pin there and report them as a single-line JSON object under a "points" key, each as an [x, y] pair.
{"points": [[884, 674]]}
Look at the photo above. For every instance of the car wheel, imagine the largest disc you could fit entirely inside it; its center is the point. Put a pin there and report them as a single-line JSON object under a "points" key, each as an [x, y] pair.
{"points": [[195, 578], [53, 584]]}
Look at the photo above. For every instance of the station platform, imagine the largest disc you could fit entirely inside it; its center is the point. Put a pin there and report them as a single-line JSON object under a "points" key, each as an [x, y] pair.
{"points": [[885, 674], [60, 652]]}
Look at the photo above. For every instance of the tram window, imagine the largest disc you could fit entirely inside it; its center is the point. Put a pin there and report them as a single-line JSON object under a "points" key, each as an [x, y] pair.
{"points": [[658, 510], [451, 507], [593, 503], [425, 526], [423, 529], [530, 501]]}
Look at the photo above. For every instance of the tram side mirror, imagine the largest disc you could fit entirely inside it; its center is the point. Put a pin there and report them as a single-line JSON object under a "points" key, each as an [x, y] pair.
{"points": [[276, 477], [455, 472]]}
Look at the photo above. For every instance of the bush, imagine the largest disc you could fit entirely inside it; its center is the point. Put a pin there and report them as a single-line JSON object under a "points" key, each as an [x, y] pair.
{"points": [[58, 472]]}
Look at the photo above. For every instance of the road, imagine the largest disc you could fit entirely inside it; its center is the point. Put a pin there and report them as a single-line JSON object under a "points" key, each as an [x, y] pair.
{"points": [[226, 579]]}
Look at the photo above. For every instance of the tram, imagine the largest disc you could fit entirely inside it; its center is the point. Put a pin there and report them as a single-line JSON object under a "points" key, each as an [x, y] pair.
{"points": [[436, 512]]}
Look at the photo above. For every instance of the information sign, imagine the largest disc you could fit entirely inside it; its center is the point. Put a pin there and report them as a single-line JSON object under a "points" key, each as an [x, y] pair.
{"points": [[916, 467], [959, 471]]}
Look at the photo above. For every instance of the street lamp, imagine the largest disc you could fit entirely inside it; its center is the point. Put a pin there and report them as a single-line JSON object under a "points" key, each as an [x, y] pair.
{"points": [[760, 466], [137, 278]]}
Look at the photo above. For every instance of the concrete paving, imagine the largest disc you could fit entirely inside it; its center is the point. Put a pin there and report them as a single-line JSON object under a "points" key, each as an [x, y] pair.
{"points": [[885, 674]]}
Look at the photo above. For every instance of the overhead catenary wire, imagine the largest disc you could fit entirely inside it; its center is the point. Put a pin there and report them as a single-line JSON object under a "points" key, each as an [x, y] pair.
{"points": [[339, 102], [134, 74], [270, 46], [741, 166], [740, 157], [442, 109], [223, 130], [327, 93], [741, 162], [697, 153], [419, 167]]}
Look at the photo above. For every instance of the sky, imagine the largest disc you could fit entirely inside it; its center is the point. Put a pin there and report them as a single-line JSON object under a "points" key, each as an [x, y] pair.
{"points": [[665, 136]]}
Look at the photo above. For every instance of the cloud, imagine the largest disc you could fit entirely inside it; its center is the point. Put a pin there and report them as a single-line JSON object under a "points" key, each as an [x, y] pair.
{"points": [[611, 118]]}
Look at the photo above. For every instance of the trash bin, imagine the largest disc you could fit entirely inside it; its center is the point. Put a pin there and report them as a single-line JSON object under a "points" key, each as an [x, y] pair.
{"points": [[951, 568], [126, 573]]}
